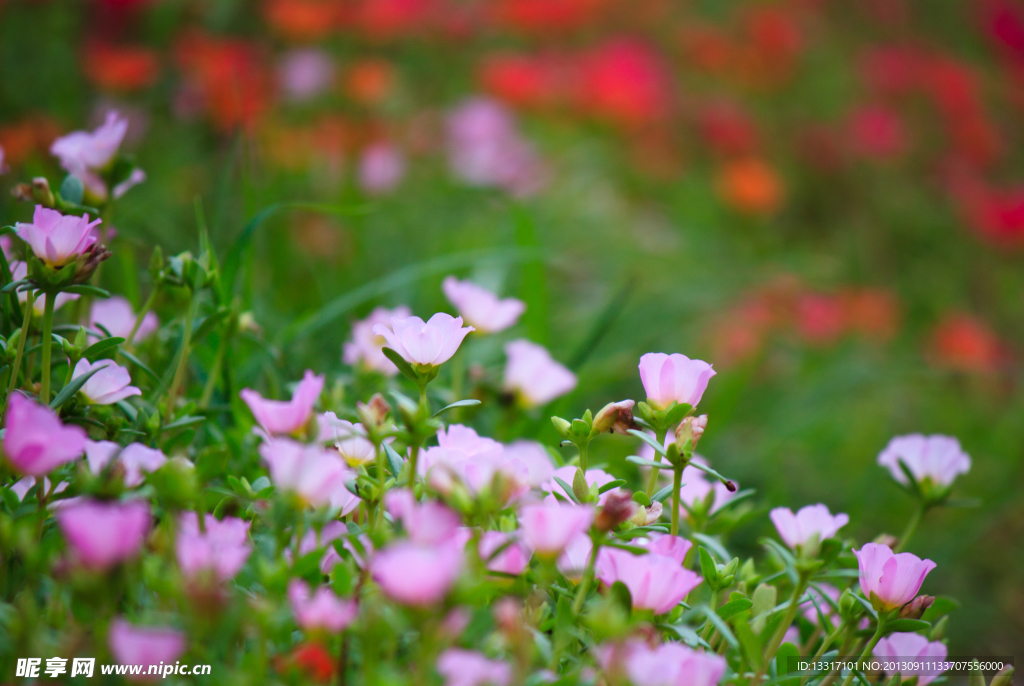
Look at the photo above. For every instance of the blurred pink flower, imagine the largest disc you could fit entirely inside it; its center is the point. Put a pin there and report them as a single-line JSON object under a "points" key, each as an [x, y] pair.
{"points": [[549, 526], [110, 384], [655, 582], [536, 458], [102, 534], [810, 521], [418, 575], [331, 532], [19, 270], [469, 668], [672, 547], [827, 609], [36, 442], [938, 459], [222, 549], [86, 155], [533, 375], [278, 417], [117, 317], [349, 439], [512, 560], [136, 458], [575, 557], [890, 580], [323, 610], [474, 460], [877, 132], [480, 307], [316, 475], [365, 347], [429, 343], [305, 73], [381, 168], [668, 664], [675, 377], [696, 487], [426, 523], [568, 473], [57, 239], [911, 647], [138, 645]]}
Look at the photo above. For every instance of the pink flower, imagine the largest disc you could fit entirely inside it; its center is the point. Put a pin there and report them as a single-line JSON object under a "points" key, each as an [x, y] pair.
{"points": [[57, 239], [136, 458], [470, 668], [674, 378], [36, 442], [426, 523], [669, 664], [365, 347], [221, 550], [887, 579], [136, 645], [575, 559], [910, 647], [418, 575], [323, 610], [304, 73], [655, 582], [810, 521], [533, 376], [568, 473], [349, 439], [473, 460], [81, 151], [278, 417], [427, 344], [110, 384], [938, 459], [672, 547], [827, 609], [316, 475], [538, 463], [548, 527], [117, 317], [381, 168], [480, 307], [512, 560], [19, 270], [103, 534]]}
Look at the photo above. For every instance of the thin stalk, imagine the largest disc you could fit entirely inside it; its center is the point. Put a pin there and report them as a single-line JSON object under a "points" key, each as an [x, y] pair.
{"points": [[588, 576], [142, 314], [414, 456], [379, 512], [825, 643], [677, 484], [780, 633], [908, 532], [44, 392], [584, 449], [13, 382], [713, 604], [179, 373], [867, 649], [652, 483], [211, 380]]}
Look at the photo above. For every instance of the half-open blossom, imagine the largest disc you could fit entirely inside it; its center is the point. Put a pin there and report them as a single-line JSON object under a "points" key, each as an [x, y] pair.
{"points": [[474, 460], [220, 550], [674, 378], [19, 270], [136, 459], [655, 582], [913, 648], [480, 307], [427, 344], [55, 238], [890, 580], [594, 477], [365, 347], [539, 466], [469, 668], [149, 645], [35, 441], [426, 523], [279, 417], [86, 155], [534, 377], [667, 664], [938, 459], [575, 558], [110, 384], [418, 575], [349, 439], [547, 527], [810, 521], [381, 168], [512, 559], [314, 474], [672, 547], [322, 610], [102, 534], [115, 314]]}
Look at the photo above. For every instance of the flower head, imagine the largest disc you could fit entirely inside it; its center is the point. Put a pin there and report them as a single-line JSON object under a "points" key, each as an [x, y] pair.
{"points": [[381, 168], [469, 668], [418, 575], [511, 560], [547, 527], [810, 521], [535, 457], [914, 648], [55, 238], [655, 582], [428, 344], [136, 459], [316, 475], [480, 307], [890, 580], [305, 72], [426, 523], [937, 459], [116, 315], [475, 461], [668, 664], [674, 378], [322, 610], [533, 375], [349, 439], [35, 441], [110, 384], [278, 417], [221, 549], [145, 645], [81, 151], [365, 347], [103, 534]]}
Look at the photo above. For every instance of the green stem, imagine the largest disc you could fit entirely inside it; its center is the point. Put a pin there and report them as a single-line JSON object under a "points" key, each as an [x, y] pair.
{"points": [[584, 449], [414, 456], [652, 483], [825, 643], [677, 484], [379, 513], [142, 314], [780, 633], [908, 532], [588, 576], [867, 649], [13, 382], [211, 380], [179, 373], [44, 392], [713, 603]]}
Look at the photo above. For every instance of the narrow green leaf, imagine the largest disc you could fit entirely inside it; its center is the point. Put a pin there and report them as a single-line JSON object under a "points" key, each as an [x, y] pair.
{"points": [[649, 440], [610, 485], [86, 289], [395, 460], [69, 391], [399, 361], [100, 347], [645, 463], [721, 626], [708, 570], [663, 494], [906, 625], [567, 488], [468, 402], [734, 607]]}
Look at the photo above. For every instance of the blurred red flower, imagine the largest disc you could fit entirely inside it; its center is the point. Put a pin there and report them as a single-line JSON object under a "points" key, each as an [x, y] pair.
{"points": [[820, 318], [626, 82], [540, 16], [309, 658], [727, 128], [996, 214], [119, 67], [19, 140], [387, 19], [876, 132], [523, 80], [303, 20], [962, 342]]}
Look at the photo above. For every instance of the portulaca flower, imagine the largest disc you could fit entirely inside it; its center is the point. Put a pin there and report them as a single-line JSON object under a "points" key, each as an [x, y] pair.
{"points": [[55, 238], [480, 307], [115, 314], [107, 386], [365, 347], [534, 377], [938, 459], [277, 417], [86, 155], [890, 580], [426, 344], [812, 520], [675, 377]]}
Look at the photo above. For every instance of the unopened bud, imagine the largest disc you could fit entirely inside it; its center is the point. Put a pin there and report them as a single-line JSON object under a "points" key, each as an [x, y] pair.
{"points": [[916, 607], [617, 417], [618, 507], [848, 604], [88, 261], [375, 412], [563, 427], [41, 192], [888, 540], [22, 192], [247, 324], [691, 428]]}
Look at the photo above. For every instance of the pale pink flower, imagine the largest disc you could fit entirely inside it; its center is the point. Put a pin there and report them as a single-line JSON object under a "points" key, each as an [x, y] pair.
{"points": [[81, 151], [312, 540], [418, 575], [221, 550], [150, 645], [892, 580], [313, 473], [575, 559], [322, 610], [533, 375], [911, 647], [57, 239], [381, 168], [135, 177], [810, 521], [305, 73], [102, 534], [672, 547], [655, 582], [427, 344], [549, 526], [425, 523], [538, 462], [116, 315], [110, 384], [35, 441], [480, 307], [674, 378], [938, 459], [349, 439], [365, 347], [136, 458], [474, 460], [469, 668], [19, 270], [827, 609], [668, 664], [279, 417], [597, 477], [22, 486], [512, 560]]}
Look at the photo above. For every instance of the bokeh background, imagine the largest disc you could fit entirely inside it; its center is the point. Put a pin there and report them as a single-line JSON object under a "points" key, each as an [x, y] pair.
{"points": [[824, 198]]}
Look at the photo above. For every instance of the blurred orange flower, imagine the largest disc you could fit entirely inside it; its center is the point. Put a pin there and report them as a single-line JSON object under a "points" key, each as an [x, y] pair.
{"points": [[750, 185], [19, 140], [119, 67], [962, 342], [370, 81], [524, 80], [303, 20], [540, 16]]}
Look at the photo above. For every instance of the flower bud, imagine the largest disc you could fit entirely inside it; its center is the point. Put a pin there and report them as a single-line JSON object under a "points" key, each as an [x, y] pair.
{"points": [[848, 605], [563, 427], [22, 192], [72, 190], [888, 540], [580, 487], [617, 417], [375, 412], [648, 515], [618, 508], [156, 262], [916, 607], [87, 262], [41, 192], [691, 428]]}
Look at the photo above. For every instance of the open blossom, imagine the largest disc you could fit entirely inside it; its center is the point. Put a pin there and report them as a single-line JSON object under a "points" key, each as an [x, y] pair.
{"points": [[907, 646], [115, 314], [86, 155], [672, 547], [150, 645], [418, 575], [429, 343], [110, 384], [474, 460], [668, 664], [480, 307], [57, 239], [425, 523], [305, 72], [535, 457], [137, 459], [469, 668], [890, 580], [349, 439], [314, 474], [102, 534], [938, 459], [221, 549], [35, 441], [19, 270], [365, 347], [548, 527], [655, 582], [533, 375], [812, 520], [279, 417], [322, 610], [512, 560], [674, 378], [575, 558], [381, 168], [597, 477]]}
